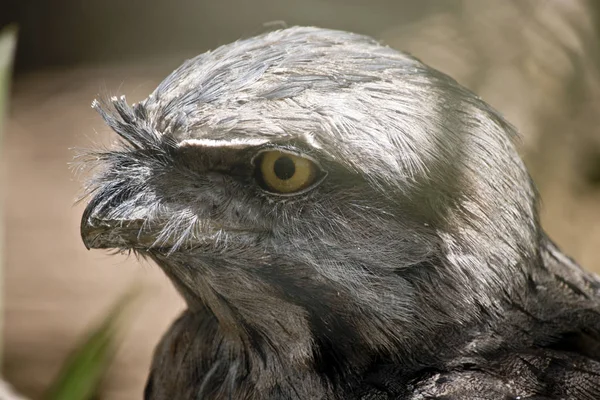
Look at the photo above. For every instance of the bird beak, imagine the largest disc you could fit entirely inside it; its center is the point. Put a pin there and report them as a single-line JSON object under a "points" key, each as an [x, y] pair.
{"points": [[100, 233]]}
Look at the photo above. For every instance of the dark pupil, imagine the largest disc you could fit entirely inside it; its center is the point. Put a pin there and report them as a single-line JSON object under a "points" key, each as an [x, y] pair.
{"points": [[284, 168]]}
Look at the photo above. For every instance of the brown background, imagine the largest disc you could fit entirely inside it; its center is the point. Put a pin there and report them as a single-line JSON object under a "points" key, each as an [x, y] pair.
{"points": [[536, 61]]}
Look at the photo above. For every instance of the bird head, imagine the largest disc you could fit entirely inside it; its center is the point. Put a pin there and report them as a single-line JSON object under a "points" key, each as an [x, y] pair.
{"points": [[313, 187]]}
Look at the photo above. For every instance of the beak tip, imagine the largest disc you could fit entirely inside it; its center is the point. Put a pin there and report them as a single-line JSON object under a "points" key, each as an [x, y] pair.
{"points": [[85, 234], [85, 241]]}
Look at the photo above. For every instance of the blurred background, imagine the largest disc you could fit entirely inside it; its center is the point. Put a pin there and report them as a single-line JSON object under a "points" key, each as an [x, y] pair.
{"points": [[537, 61]]}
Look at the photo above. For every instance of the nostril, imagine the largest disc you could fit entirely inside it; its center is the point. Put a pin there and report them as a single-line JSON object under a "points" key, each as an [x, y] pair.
{"points": [[108, 201], [119, 196], [117, 199]]}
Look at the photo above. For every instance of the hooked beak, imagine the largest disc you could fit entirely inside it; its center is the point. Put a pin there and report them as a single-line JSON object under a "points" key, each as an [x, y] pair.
{"points": [[104, 225], [112, 233], [99, 231]]}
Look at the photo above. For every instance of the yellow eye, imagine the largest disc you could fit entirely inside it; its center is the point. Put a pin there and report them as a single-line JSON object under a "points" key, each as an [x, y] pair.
{"points": [[286, 173]]}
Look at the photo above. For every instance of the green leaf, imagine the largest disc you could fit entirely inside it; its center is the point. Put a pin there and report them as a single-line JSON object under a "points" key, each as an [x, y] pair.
{"points": [[82, 373], [8, 39]]}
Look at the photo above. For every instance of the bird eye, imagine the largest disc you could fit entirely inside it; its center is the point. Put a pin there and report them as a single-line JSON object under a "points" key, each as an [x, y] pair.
{"points": [[286, 173]]}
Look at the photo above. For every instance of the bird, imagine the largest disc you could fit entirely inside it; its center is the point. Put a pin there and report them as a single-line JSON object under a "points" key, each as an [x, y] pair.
{"points": [[343, 222]]}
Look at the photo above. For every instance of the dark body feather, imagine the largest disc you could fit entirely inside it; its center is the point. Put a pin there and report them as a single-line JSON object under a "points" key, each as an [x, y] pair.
{"points": [[546, 345]]}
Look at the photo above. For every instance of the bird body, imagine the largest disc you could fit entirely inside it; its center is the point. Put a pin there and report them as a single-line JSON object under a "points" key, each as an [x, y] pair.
{"points": [[344, 222]]}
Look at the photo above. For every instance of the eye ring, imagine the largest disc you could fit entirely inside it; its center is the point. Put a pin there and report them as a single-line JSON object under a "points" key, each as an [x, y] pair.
{"points": [[286, 173]]}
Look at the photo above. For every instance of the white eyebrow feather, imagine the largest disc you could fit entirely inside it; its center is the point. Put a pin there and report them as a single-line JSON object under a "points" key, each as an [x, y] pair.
{"points": [[237, 142]]}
